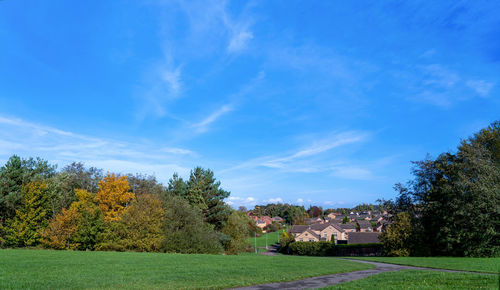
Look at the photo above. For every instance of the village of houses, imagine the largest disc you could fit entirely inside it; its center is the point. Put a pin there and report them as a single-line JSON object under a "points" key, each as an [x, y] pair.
{"points": [[361, 227]]}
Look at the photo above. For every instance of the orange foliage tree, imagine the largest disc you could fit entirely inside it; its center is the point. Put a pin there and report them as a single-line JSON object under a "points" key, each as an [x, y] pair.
{"points": [[113, 196], [62, 232]]}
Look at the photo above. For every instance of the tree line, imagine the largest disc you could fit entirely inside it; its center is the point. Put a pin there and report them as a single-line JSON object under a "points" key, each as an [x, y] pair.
{"points": [[452, 205], [81, 208]]}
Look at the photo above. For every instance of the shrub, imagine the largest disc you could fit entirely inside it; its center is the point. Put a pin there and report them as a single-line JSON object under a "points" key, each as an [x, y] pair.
{"points": [[325, 248]]}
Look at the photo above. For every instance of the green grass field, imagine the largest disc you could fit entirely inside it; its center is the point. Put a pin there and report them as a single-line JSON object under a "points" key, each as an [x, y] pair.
{"points": [[413, 279], [44, 269], [272, 238], [489, 265]]}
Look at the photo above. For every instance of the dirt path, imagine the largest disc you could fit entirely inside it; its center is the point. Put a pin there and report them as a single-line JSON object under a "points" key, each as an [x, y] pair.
{"points": [[333, 279]]}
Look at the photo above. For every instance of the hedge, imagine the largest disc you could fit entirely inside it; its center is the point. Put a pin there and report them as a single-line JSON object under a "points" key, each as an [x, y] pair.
{"points": [[325, 248]]}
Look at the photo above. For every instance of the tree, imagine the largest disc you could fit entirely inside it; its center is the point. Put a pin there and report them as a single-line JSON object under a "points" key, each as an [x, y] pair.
{"points": [[177, 186], [75, 228], [345, 220], [205, 193], [25, 228], [315, 211], [113, 196], [139, 229], [397, 238], [452, 203], [145, 184], [13, 175], [185, 231], [237, 229], [285, 241]]}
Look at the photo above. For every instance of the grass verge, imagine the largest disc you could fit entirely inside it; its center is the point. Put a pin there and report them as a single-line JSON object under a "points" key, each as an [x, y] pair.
{"points": [[487, 265], [415, 279], [44, 269]]}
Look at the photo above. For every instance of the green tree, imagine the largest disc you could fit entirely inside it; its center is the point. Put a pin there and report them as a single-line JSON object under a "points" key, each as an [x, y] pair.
{"points": [[25, 228], [237, 229], [185, 231], [398, 237], [140, 228], [204, 191], [13, 175]]}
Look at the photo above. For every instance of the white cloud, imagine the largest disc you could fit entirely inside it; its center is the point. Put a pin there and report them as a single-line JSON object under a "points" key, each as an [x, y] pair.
{"points": [[300, 201], [239, 41], [202, 126], [318, 147], [235, 201], [274, 200], [481, 87], [29, 139]]}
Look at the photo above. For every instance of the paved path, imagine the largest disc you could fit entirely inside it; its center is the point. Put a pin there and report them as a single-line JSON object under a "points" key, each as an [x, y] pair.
{"points": [[333, 279], [271, 251]]}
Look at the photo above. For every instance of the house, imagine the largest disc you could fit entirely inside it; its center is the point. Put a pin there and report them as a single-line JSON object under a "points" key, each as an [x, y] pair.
{"points": [[311, 221], [261, 223], [327, 231], [363, 238], [298, 229], [348, 227], [334, 215], [363, 217], [323, 232], [277, 219], [364, 226], [308, 236]]}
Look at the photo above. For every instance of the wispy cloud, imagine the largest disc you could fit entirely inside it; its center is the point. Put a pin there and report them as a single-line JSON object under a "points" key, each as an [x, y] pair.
{"points": [[30, 139], [481, 87], [203, 125], [442, 86], [304, 160], [318, 147]]}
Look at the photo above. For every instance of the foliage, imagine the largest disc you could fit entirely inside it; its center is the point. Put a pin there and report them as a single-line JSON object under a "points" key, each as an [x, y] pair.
{"points": [[285, 240], [145, 184], [315, 211], [24, 229], [453, 200], [205, 192], [13, 175], [364, 207], [273, 227], [113, 196], [292, 214], [400, 238], [185, 231], [345, 220], [329, 248], [77, 227], [237, 229], [139, 229]]}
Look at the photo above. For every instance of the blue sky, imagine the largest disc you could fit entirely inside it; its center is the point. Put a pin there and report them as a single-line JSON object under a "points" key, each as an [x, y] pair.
{"points": [[308, 102]]}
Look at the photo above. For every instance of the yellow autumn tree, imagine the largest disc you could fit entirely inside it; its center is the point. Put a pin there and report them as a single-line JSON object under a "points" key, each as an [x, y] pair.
{"points": [[113, 196], [59, 233], [63, 230]]}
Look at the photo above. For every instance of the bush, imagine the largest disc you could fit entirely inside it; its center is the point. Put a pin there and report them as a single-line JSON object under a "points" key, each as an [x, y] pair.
{"points": [[325, 248]]}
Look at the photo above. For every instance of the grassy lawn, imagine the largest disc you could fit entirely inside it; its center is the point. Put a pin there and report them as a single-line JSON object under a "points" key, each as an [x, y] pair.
{"points": [[66, 269], [414, 279], [490, 265], [272, 238]]}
